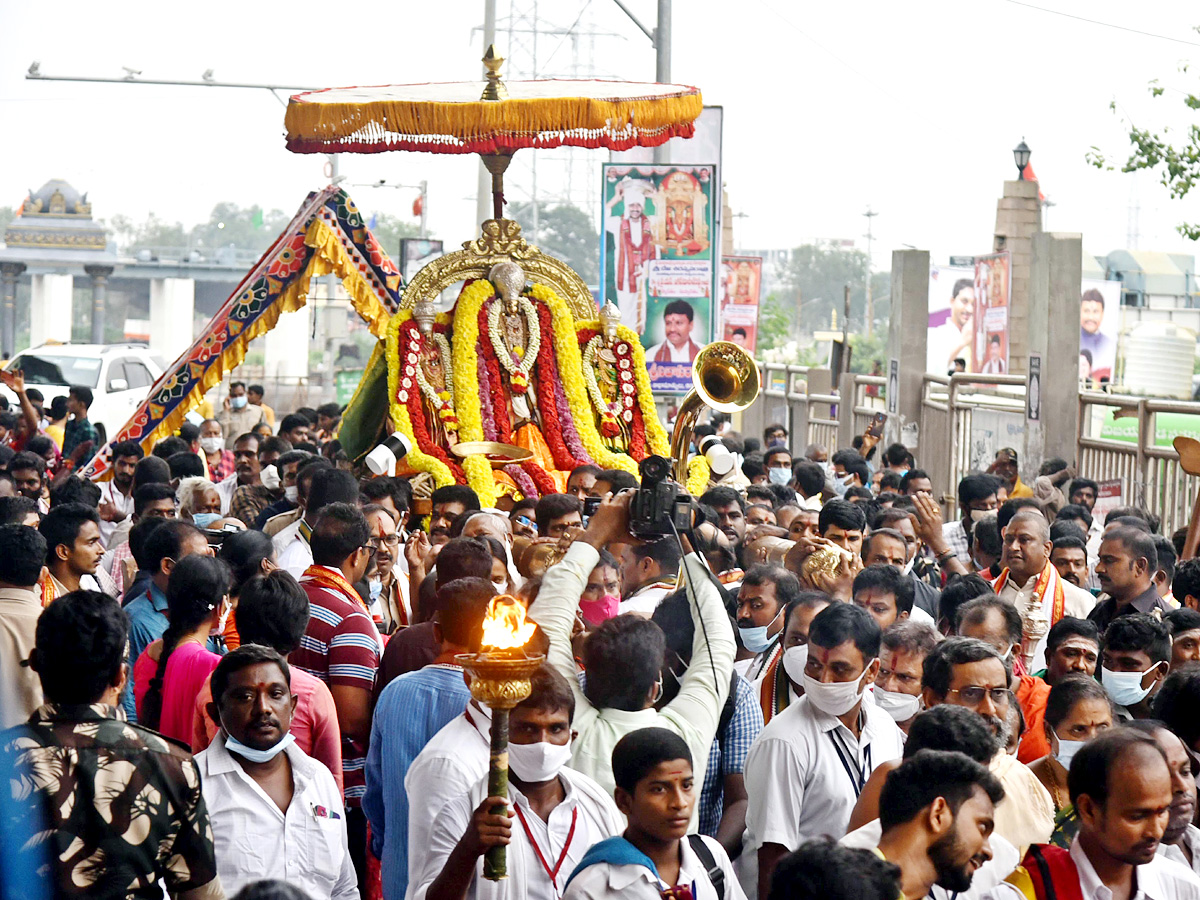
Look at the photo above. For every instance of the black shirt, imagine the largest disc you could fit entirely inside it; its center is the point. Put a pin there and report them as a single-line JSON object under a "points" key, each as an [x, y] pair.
{"points": [[1145, 602]]}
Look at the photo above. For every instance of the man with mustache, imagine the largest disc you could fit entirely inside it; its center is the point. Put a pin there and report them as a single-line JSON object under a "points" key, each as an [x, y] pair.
{"points": [[971, 673], [1181, 840], [448, 503], [937, 813], [1121, 788], [275, 811]]}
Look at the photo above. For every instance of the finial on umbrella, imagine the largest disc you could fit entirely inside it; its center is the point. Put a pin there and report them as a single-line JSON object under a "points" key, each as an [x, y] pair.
{"points": [[495, 89]]}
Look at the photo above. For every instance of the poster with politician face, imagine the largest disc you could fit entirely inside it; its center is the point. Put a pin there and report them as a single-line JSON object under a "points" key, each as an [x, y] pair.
{"points": [[658, 262], [951, 310], [1099, 324], [740, 288]]}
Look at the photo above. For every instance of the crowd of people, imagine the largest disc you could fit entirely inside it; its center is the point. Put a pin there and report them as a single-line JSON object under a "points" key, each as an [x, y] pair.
{"points": [[234, 670]]}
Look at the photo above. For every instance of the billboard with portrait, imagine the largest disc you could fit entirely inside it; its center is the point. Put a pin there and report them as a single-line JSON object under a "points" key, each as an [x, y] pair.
{"points": [[1099, 325], [993, 297], [951, 329], [658, 256], [739, 290]]}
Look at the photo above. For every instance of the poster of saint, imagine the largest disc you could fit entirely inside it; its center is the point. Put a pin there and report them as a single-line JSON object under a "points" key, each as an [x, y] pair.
{"points": [[740, 290], [658, 262], [993, 297]]}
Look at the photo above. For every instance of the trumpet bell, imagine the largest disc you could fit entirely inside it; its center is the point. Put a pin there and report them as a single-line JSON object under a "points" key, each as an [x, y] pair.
{"points": [[725, 377]]}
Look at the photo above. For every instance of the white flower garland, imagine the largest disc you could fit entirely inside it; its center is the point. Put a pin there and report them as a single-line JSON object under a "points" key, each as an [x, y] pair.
{"points": [[533, 328], [443, 402], [626, 389]]}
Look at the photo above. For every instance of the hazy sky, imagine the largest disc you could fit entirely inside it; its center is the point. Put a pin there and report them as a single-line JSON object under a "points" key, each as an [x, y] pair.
{"points": [[913, 108]]}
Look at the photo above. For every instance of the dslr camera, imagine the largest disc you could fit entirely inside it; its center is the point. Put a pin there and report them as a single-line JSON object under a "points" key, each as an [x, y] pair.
{"points": [[659, 502]]}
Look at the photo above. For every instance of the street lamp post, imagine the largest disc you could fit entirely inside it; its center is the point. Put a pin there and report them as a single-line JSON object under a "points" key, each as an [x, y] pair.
{"points": [[1021, 154]]}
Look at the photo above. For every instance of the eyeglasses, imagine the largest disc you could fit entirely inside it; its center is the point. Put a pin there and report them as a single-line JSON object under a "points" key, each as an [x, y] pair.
{"points": [[391, 540], [974, 694]]}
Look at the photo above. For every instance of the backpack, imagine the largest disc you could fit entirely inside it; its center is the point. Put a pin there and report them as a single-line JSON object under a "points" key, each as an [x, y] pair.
{"points": [[716, 875]]}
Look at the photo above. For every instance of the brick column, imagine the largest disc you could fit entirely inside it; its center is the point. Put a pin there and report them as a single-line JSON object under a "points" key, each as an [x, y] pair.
{"points": [[1018, 219]]}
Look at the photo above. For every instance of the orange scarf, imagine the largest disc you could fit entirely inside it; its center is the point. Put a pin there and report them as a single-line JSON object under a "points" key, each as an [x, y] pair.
{"points": [[330, 579], [49, 592], [1049, 574]]}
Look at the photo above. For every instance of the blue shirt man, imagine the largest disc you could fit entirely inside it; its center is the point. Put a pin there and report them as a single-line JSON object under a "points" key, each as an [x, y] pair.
{"points": [[411, 710], [147, 622]]}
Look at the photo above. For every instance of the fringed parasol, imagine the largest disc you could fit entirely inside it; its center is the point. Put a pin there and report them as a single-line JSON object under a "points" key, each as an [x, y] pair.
{"points": [[491, 118]]}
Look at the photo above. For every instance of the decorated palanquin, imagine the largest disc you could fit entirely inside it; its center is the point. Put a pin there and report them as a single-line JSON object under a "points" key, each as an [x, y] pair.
{"points": [[519, 382]]}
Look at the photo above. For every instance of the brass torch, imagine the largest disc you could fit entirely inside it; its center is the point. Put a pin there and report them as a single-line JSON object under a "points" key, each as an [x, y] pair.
{"points": [[500, 679]]}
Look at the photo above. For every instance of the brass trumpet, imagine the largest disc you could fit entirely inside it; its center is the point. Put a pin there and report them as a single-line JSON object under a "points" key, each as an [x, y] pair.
{"points": [[724, 377]]}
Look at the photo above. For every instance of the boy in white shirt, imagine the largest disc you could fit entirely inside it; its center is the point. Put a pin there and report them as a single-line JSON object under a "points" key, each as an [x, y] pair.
{"points": [[656, 791]]}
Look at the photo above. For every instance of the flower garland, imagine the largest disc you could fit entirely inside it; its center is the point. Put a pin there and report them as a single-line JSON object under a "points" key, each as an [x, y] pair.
{"points": [[441, 401], [477, 469], [698, 475], [655, 434], [622, 405], [418, 458], [517, 362], [558, 429], [570, 367]]}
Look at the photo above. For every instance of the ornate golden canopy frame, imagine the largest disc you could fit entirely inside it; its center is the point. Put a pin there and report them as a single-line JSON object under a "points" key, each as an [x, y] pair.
{"points": [[500, 241]]}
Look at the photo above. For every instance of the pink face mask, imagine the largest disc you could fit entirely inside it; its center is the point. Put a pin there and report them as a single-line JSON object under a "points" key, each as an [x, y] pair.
{"points": [[597, 611]]}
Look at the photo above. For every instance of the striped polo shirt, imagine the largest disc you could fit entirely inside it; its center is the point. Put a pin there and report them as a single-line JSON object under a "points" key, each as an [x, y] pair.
{"points": [[341, 647]]}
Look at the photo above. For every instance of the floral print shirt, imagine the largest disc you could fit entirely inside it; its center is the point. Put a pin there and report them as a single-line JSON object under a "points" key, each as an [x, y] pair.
{"points": [[118, 807]]}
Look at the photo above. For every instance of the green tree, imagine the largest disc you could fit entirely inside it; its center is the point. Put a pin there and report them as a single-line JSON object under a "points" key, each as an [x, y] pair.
{"points": [[816, 277], [565, 231], [131, 236], [245, 228], [388, 230], [1177, 163]]}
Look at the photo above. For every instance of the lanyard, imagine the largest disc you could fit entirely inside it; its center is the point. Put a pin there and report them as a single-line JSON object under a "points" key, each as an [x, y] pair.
{"points": [[553, 873], [857, 775]]}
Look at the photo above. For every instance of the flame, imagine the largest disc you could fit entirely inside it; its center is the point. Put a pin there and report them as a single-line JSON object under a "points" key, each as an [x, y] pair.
{"points": [[504, 626]]}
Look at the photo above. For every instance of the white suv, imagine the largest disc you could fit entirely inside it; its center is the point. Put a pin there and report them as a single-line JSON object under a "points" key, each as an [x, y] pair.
{"points": [[120, 376]]}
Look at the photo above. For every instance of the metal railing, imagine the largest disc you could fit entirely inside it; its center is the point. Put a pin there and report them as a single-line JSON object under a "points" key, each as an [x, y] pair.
{"points": [[948, 407], [1153, 478]]}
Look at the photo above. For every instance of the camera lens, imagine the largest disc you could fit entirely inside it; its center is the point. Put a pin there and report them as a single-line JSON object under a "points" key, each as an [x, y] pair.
{"points": [[654, 468]]}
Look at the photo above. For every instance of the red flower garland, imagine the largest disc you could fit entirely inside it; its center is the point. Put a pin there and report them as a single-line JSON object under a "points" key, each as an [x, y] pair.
{"points": [[637, 431], [543, 482], [548, 375], [416, 413]]}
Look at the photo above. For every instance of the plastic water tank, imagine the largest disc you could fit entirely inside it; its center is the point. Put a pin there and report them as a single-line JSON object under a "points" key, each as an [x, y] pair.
{"points": [[1160, 358]]}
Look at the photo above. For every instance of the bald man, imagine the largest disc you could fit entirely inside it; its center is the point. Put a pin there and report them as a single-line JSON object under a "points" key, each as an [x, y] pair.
{"points": [[1028, 579]]}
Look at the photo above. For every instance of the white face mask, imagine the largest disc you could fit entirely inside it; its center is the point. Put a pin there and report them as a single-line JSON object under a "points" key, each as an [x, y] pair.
{"points": [[1125, 688], [291, 493], [836, 698], [1066, 750], [794, 661], [901, 707], [977, 514], [535, 763], [212, 444]]}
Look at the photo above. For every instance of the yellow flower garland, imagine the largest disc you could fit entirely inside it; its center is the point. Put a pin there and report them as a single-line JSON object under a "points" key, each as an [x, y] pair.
{"points": [[698, 475], [421, 462], [570, 370], [467, 388], [657, 441]]}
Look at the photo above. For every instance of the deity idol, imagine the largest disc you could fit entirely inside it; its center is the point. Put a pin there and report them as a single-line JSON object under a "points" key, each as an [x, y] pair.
{"points": [[683, 227]]}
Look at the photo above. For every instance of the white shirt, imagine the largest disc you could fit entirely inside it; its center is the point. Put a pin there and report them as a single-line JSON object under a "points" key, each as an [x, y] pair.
{"points": [[1076, 602], [254, 839], [292, 550], [942, 342], [1004, 859], [644, 601], [633, 882], [587, 815], [225, 489], [799, 788], [454, 759], [1191, 837], [678, 354], [123, 503], [1159, 879]]}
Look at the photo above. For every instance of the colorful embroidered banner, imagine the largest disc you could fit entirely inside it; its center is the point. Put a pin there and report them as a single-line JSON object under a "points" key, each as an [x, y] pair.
{"points": [[326, 236]]}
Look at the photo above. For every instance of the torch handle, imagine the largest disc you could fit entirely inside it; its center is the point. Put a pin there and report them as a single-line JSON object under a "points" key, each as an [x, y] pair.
{"points": [[495, 861]]}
